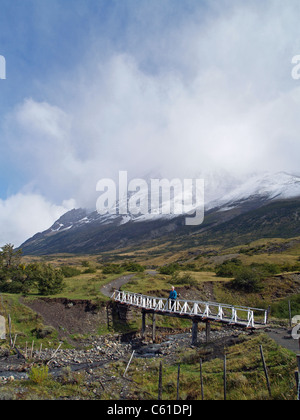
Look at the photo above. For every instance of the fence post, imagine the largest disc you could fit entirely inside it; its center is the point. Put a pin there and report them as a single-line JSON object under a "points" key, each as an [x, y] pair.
{"points": [[201, 381], [178, 382], [266, 371], [290, 314], [297, 376], [129, 364], [9, 328], [160, 383], [225, 378]]}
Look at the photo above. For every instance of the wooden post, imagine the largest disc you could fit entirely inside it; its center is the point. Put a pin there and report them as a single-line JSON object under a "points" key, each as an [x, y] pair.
{"points": [[207, 332], [54, 354], [297, 375], [31, 353], [266, 371], [160, 383], [194, 332], [143, 324], [201, 380], [9, 327], [178, 382], [154, 328], [290, 314], [14, 343], [128, 364], [225, 379]]}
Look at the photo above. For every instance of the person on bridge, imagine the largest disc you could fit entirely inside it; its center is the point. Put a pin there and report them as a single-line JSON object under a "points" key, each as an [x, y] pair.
{"points": [[173, 297]]}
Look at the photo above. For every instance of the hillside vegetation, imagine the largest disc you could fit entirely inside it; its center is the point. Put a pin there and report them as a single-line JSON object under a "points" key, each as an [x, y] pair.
{"points": [[263, 273]]}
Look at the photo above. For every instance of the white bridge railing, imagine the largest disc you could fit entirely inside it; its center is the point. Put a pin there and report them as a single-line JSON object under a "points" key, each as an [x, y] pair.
{"points": [[246, 317]]}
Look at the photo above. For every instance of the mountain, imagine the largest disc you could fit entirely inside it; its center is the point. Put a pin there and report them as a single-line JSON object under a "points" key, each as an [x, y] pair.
{"points": [[262, 187], [262, 206]]}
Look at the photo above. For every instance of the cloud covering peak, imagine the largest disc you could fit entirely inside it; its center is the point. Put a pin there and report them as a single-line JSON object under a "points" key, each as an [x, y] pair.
{"points": [[198, 88]]}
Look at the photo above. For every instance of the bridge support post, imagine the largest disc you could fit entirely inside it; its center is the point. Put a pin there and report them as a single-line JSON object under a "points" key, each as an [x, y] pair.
{"points": [[143, 324], [194, 332], [207, 332], [154, 327]]}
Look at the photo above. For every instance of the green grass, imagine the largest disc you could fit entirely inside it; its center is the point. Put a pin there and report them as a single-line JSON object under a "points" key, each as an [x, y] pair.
{"points": [[25, 323], [245, 374]]}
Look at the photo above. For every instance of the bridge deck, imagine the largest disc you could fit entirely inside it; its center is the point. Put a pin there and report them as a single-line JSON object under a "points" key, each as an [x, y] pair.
{"points": [[196, 310]]}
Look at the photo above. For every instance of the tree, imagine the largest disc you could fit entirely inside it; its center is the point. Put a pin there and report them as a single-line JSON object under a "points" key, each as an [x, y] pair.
{"points": [[20, 278], [49, 280], [10, 258], [247, 280], [9, 268]]}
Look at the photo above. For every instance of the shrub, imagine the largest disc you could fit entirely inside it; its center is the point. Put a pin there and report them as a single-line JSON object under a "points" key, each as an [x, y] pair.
{"points": [[281, 309], [49, 280], [229, 268], [133, 267], [39, 374], [169, 269], [183, 279], [70, 271], [85, 263], [247, 280], [112, 269], [90, 270]]}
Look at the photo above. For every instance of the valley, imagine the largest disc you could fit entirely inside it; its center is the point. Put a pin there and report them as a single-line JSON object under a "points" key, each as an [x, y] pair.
{"points": [[96, 338]]}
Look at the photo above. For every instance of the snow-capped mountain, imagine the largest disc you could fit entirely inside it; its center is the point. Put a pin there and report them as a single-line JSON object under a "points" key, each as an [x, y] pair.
{"points": [[264, 187], [82, 230]]}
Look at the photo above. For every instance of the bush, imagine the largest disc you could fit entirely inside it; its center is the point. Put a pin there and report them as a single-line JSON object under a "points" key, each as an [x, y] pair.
{"points": [[170, 269], [247, 280], [112, 269], [85, 263], [70, 271], [49, 280], [43, 332], [183, 279], [133, 267], [281, 309], [266, 269], [90, 270], [38, 375], [229, 268]]}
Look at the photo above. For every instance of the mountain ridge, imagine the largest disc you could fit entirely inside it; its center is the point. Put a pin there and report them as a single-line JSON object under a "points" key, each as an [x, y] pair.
{"points": [[254, 209]]}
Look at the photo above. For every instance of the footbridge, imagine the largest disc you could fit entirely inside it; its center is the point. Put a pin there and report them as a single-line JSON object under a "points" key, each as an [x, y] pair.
{"points": [[196, 311]]}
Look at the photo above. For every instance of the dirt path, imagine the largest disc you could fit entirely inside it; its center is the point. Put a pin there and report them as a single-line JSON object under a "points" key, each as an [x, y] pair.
{"points": [[109, 288]]}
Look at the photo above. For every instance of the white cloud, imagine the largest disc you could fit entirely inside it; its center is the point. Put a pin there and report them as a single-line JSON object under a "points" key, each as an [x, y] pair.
{"points": [[220, 97], [23, 215]]}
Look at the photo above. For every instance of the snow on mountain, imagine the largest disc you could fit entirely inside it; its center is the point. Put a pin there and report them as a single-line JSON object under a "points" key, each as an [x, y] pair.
{"points": [[268, 186], [264, 187]]}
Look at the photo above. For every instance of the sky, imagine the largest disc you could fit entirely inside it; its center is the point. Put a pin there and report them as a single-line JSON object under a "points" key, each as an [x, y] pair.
{"points": [[168, 88]]}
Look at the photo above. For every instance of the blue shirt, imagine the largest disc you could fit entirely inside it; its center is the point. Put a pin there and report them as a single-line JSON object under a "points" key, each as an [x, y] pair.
{"points": [[173, 295]]}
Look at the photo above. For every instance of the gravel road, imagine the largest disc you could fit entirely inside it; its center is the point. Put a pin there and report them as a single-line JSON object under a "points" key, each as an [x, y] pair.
{"points": [[108, 289]]}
